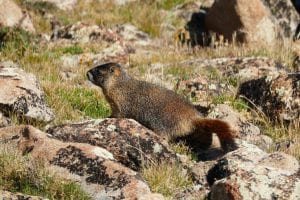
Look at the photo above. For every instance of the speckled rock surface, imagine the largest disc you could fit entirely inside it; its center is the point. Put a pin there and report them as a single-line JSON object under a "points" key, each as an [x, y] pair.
{"points": [[21, 94], [100, 174], [5, 195], [244, 68], [277, 96], [130, 143], [250, 173]]}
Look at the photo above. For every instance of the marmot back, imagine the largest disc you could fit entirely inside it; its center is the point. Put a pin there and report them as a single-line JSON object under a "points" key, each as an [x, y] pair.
{"points": [[157, 108]]}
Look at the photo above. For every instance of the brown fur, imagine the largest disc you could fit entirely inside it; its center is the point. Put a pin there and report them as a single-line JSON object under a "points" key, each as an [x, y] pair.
{"points": [[157, 108]]}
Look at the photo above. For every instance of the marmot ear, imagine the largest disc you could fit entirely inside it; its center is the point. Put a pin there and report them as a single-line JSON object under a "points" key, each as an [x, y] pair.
{"points": [[112, 69], [115, 70]]}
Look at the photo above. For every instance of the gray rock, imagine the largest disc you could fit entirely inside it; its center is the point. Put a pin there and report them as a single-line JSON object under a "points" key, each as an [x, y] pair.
{"points": [[21, 94], [11, 15], [132, 34], [250, 173], [244, 68]]}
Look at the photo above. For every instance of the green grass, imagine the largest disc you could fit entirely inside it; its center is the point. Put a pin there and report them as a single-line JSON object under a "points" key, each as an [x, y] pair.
{"points": [[26, 175], [73, 50], [169, 4], [166, 178], [73, 103], [15, 41]]}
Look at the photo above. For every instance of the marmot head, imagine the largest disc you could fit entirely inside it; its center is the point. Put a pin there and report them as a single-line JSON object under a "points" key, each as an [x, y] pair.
{"points": [[105, 74]]}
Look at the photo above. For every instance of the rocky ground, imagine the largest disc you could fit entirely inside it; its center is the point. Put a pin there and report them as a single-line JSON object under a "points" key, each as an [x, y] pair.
{"points": [[235, 60]]}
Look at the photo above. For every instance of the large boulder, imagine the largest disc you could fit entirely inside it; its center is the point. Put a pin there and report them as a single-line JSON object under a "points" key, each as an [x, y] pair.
{"points": [[95, 168], [255, 21], [21, 94], [277, 96], [11, 15], [250, 173], [130, 143]]}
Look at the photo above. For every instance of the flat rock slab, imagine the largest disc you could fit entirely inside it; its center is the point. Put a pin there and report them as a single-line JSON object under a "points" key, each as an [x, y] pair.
{"points": [[100, 174], [21, 94], [131, 143], [250, 173]]}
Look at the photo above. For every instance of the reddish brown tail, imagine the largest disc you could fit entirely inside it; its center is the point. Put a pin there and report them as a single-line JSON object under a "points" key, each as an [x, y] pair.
{"points": [[224, 131]]}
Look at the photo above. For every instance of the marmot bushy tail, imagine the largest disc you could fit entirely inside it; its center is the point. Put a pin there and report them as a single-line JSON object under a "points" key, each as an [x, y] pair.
{"points": [[223, 130], [157, 108]]}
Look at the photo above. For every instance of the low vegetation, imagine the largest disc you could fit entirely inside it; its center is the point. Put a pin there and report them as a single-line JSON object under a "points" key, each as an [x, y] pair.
{"points": [[166, 179], [26, 175]]}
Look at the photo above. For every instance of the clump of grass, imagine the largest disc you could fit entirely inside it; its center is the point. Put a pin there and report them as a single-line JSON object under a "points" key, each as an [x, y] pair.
{"points": [[166, 179], [73, 50], [169, 4], [280, 132], [40, 7], [73, 103], [15, 41], [29, 176], [237, 103]]}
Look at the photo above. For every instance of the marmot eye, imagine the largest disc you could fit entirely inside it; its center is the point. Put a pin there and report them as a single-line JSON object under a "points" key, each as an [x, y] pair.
{"points": [[111, 70]]}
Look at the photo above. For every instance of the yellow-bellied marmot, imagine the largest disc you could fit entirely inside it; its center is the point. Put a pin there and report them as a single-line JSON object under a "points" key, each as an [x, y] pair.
{"points": [[157, 108]]}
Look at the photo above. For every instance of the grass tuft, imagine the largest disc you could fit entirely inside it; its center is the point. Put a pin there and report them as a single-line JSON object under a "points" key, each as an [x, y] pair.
{"points": [[166, 178], [73, 103], [26, 175]]}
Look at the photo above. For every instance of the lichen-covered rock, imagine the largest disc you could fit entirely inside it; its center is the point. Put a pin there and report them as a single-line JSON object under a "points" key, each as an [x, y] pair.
{"points": [[81, 32], [21, 94], [130, 143], [285, 15], [201, 88], [255, 21], [5, 195], [132, 34], [225, 73], [11, 15], [250, 173], [244, 68], [100, 174], [277, 96], [114, 53]]}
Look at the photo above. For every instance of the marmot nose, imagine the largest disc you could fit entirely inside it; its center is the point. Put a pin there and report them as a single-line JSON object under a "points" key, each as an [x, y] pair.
{"points": [[90, 76]]}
